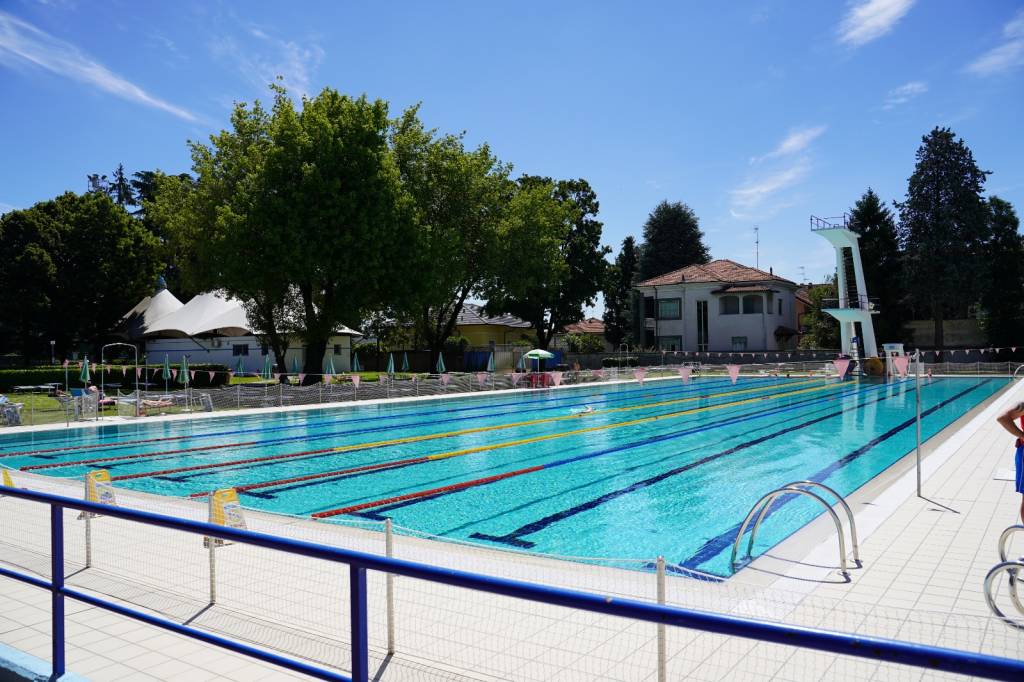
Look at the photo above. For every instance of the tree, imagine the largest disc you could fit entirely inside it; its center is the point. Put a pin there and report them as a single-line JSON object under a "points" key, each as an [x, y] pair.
{"points": [[459, 198], [146, 185], [1004, 256], [302, 214], [79, 263], [882, 261], [943, 228], [672, 240], [618, 294], [583, 343], [551, 262], [821, 329], [120, 189]]}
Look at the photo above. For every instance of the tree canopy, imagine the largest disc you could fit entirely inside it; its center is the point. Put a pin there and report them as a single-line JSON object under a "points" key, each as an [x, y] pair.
{"points": [[882, 261], [943, 228], [1001, 293], [672, 239], [618, 294]]}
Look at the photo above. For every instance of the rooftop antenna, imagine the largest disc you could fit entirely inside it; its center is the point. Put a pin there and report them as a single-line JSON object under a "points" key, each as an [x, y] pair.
{"points": [[803, 274], [757, 247]]}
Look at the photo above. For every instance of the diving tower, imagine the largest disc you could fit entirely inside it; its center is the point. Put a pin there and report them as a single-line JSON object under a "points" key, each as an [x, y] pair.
{"points": [[853, 305]]}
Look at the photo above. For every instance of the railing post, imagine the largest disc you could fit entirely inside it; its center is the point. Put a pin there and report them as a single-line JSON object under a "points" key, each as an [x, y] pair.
{"points": [[357, 616], [389, 551], [662, 643], [238, 395], [213, 569], [88, 540], [917, 403], [57, 587]]}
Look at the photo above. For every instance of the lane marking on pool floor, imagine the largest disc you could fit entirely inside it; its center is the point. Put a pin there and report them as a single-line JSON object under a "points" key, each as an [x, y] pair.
{"points": [[535, 439], [345, 473], [272, 441], [421, 438], [335, 422]]}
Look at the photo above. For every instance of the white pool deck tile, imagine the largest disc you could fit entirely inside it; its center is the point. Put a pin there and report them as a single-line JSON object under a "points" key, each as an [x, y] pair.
{"points": [[921, 578]]}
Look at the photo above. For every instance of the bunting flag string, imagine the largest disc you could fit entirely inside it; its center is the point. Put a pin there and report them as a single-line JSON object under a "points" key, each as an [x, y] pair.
{"points": [[355, 380]]}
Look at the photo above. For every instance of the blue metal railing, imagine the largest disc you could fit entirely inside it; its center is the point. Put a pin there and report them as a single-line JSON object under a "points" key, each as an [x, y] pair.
{"points": [[890, 651]]}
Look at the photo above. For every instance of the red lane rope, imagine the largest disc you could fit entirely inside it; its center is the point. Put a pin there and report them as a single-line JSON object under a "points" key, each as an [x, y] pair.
{"points": [[424, 493], [94, 460], [325, 474]]}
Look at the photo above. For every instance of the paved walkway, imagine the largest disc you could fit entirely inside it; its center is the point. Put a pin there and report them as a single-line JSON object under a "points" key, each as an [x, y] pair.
{"points": [[921, 581]]}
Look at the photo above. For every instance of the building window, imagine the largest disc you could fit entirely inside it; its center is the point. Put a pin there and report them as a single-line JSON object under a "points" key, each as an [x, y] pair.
{"points": [[648, 306], [240, 349], [669, 309], [780, 306], [702, 326], [739, 343], [670, 342], [753, 305], [729, 305], [337, 349]]}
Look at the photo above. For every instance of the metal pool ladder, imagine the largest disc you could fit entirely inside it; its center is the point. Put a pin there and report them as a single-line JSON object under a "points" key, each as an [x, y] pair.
{"points": [[760, 510], [1013, 568]]}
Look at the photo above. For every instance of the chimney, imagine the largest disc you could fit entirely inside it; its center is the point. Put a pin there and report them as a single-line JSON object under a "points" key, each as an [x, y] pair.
{"points": [[771, 270]]}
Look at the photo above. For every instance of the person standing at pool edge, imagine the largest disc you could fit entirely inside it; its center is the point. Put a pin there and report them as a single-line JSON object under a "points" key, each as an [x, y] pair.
{"points": [[1006, 421]]}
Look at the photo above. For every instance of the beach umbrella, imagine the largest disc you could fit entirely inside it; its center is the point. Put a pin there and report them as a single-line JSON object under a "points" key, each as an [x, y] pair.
{"points": [[538, 354], [167, 371], [490, 362], [329, 368], [84, 374], [391, 364], [355, 363], [268, 369], [440, 364], [183, 372], [240, 366], [405, 361]]}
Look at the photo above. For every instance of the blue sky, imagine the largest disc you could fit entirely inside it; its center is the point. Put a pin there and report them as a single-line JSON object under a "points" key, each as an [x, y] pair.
{"points": [[753, 113]]}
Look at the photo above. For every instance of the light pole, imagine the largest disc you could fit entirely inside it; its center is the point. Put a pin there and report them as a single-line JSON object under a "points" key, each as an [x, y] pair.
{"points": [[53, 356]]}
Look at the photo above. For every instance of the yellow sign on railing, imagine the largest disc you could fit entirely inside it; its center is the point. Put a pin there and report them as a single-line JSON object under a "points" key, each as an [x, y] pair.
{"points": [[225, 510]]}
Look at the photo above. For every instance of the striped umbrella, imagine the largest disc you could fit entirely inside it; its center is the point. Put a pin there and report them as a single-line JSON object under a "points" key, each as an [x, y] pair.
{"points": [[356, 367], [240, 366], [405, 361], [183, 372], [166, 374], [329, 367], [490, 362], [268, 369], [391, 364], [295, 365], [440, 364], [84, 374], [520, 365]]}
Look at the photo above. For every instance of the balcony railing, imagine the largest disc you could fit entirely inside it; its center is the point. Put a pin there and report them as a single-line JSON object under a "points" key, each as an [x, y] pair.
{"points": [[932, 658], [833, 223], [859, 303]]}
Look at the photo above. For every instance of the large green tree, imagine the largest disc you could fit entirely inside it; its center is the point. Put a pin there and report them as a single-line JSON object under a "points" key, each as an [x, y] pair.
{"points": [[820, 329], [300, 213], [77, 264], [943, 228], [883, 263], [672, 239], [459, 197], [1001, 296], [618, 294], [551, 262]]}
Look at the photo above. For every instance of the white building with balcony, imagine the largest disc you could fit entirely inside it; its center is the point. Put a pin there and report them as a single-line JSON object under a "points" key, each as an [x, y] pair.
{"points": [[721, 306]]}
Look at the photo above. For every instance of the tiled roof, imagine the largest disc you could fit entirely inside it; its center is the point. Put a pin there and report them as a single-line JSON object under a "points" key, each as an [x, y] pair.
{"points": [[723, 270], [742, 289], [591, 325], [474, 314]]}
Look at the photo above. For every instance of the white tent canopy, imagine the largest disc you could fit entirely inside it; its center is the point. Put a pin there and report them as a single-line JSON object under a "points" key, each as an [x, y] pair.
{"points": [[147, 312], [209, 313]]}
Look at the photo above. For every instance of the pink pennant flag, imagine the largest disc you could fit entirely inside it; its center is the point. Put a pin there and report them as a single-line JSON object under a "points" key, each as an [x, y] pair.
{"points": [[516, 376], [684, 374], [481, 378], [327, 378], [599, 373], [277, 376], [355, 380], [901, 363], [639, 374], [789, 355], [841, 365], [174, 374], [124, 371], [211, 376], [65, 363], [445, 378], [138, 372], [231, 375], [1013, 348], [301, 377], [556, 378], [734, 372]]}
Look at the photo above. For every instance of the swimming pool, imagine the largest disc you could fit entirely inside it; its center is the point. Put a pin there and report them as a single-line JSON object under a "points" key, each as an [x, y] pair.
{"points": [[656, 469]]}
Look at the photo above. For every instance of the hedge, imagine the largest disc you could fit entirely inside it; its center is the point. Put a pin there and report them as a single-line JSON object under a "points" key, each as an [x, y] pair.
{"points": [[37, 376]]}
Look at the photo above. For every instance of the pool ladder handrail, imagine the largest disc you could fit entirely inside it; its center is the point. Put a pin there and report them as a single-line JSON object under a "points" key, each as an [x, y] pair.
{"points": [[1019, 368], [1012, 567], [800, 488]]}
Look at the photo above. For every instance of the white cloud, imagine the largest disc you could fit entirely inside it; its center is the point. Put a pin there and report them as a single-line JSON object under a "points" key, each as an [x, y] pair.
{"points": [[22, 43], [904, 93], [750, 198], [795, 142], [867, 20], [4, 208], [1006, 56], [271, 58]]}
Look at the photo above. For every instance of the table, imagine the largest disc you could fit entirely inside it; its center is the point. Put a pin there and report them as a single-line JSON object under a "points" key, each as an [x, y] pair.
{"points": [[25, 389]]}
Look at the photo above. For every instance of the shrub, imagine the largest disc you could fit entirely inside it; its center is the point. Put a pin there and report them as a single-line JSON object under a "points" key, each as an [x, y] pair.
{"points": [[874, 367], [584, 343]]}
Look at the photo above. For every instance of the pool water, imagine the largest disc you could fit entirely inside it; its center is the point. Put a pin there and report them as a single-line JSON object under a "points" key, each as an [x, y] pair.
{"points": [[616, 471]]}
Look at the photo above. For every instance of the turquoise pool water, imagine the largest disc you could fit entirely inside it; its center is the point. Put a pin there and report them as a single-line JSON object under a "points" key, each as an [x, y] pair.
{"points": [[659, 469]]}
